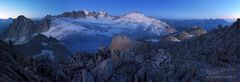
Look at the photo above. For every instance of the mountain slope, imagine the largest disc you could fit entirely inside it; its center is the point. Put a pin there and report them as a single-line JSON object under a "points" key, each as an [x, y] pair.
{"points": [[84, 30], [20, 30], [42, 46]]}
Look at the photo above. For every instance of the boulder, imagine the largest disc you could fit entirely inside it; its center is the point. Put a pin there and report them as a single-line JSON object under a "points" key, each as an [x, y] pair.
{"points": [[104, 70], [196, 31], [184, 36], [121, 42], [87, 77]]}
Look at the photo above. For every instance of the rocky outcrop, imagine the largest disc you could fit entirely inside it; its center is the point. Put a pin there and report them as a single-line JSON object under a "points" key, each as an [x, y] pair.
{"points": [[103, 71], [43, 47], [45, 23], [82, 61], [184, 36], [206, 56], [196, 31], [170, 38], [121, 43], [84, 14], [20, 30], [87, 77], [11, 69], [236, 24]]}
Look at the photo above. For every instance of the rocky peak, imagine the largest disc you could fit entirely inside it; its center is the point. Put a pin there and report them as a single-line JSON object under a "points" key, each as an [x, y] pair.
{"points": [[84, 13], [21, 17], [22, 20], [184, 36], [46, 22], [74, 14], [20, 29], [41, 46], [102, 14], [236, 24]]}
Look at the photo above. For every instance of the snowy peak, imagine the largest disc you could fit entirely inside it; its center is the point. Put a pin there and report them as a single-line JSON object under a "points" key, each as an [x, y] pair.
{"points": [[156, 26], [135, 17], [76, 27], [84, 14]]}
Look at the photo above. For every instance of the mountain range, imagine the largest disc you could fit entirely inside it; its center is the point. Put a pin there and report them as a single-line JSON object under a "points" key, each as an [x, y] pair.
{"points": [[207, 24], [88, 30], [84, 30]]}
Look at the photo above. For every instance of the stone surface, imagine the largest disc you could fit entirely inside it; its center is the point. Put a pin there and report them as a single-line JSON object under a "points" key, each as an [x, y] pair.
{"points": [[121, 43], [87, 77], [104, 70]]}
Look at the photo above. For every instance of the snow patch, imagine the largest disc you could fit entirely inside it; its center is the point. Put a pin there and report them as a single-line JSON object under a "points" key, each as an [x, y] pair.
{"points": [[176, 40], [153, 40], [45, 52], [44, 44]]}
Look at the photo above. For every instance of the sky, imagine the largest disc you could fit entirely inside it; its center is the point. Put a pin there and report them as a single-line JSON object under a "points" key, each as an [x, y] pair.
{"points": [[189, 9]]}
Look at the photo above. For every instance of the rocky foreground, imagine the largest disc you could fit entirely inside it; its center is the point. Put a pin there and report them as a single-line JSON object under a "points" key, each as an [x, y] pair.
{"points": [[211, 57]]}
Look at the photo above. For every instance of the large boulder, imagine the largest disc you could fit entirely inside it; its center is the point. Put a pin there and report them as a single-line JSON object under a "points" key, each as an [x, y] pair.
{"points": [[121, 42], [196, 31], [184, 36], [104, 70], [87, 77]]}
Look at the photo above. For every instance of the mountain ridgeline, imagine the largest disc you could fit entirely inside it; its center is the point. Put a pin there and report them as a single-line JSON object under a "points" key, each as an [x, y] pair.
{"points": [[207, 24]]}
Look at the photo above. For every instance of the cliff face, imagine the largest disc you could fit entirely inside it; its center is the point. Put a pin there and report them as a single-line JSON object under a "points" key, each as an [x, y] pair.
{"points": [[20, 29], [45, 23], [23, 29]]}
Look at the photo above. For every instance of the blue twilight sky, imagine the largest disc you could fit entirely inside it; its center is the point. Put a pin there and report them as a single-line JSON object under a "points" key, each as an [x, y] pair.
{"points": [[193, 9]]}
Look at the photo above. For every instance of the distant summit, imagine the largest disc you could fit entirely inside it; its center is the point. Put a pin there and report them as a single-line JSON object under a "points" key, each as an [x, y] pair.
{"points": [[207, 24], [237, 23], [83, 14]]}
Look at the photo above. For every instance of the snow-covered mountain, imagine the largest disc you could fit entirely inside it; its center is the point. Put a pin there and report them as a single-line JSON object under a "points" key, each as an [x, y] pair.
{"points": [[86, 31], [103, 24]]}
